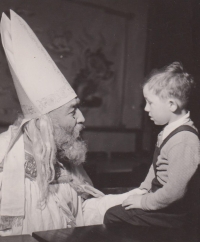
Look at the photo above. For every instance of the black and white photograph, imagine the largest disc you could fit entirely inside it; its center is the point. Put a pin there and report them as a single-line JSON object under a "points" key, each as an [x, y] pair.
{"points": [[99, 120]]}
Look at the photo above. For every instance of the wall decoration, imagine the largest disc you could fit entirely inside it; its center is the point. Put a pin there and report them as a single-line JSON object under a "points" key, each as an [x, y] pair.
{"points": [[92, 83], [89, 46]]}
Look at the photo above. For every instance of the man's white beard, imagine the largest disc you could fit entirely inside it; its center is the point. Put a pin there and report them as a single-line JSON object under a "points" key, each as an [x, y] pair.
{"points": [[70, 147]]}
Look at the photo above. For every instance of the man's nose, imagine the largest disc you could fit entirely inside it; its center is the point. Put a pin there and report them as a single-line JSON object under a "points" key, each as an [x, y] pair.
{"points": [[80, 117]]}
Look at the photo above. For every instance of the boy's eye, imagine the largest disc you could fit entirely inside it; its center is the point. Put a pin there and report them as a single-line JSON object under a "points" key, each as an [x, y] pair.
{"points": [[149, 102]]}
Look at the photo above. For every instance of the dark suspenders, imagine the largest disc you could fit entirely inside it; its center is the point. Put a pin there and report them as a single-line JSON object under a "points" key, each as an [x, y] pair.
{"points": [[177, 130], [155, 183]]}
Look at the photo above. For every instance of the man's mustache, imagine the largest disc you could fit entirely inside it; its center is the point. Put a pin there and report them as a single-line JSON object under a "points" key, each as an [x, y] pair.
{"points": [[75, 135], [78, 129]]}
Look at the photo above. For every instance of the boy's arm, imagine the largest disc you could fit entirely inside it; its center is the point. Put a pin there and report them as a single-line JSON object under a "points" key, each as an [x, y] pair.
{"points": [[146, 184], [183, 163], [134, 198]]}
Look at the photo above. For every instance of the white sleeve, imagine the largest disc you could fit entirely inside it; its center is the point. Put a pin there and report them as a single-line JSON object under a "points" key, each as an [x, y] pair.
{"points": [[94, 209]]}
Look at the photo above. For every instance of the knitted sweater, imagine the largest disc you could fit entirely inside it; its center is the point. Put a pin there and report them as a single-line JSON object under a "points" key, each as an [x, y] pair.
{"points": [[176, 165]]}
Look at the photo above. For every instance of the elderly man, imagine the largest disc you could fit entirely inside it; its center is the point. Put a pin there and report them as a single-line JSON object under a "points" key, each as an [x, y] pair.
{"points": [[43, 185], [42, 181]]}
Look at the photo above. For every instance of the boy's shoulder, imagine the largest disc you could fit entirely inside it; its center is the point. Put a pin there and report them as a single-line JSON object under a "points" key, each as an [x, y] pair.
{"points": [[184, 137]]}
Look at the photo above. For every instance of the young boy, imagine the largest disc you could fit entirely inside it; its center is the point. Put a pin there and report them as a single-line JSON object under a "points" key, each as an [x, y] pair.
{"points": [[171, 189]]}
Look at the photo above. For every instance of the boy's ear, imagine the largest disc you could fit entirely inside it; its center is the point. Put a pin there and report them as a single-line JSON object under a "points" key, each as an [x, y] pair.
{"points": [[173, 105]]}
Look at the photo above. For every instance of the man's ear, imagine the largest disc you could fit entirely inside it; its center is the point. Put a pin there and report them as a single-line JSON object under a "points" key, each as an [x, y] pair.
{"points": [[173, 105]]}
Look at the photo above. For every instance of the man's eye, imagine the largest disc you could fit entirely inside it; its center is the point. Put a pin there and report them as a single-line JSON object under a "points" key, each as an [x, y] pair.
{"points": [[73, 112]]}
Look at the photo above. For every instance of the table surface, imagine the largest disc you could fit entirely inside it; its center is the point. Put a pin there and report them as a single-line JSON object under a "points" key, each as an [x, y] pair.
{"points": [[102, 233], [18, 238]]}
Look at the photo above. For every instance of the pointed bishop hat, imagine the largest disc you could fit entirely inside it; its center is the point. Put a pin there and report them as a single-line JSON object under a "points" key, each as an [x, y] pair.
{"points": [[40, 85]]}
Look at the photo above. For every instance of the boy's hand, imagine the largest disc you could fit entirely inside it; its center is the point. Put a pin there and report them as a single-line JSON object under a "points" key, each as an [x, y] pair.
{"points": [[133, 201], [137, 191]]}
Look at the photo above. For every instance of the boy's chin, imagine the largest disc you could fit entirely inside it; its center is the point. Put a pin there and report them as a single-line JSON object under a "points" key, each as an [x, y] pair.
{"points": [[158, 123]]}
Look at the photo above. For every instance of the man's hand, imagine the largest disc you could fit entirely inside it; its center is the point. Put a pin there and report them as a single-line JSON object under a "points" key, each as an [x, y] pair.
{"points": [[92, 191], [133, 201]]}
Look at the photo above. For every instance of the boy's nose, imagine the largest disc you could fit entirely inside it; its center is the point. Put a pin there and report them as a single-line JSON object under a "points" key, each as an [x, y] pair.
{"points": [[146, 108]]}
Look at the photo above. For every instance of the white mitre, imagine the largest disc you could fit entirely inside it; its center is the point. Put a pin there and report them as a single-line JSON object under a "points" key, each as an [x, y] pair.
{"points": [[40, 85]]}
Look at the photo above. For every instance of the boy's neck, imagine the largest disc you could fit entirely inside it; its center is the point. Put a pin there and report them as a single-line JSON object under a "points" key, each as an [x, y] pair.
{"points": [[177, 116]]}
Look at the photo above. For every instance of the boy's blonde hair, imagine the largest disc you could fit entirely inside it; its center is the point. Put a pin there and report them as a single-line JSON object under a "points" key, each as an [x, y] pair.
{"points": [[171, 82]]}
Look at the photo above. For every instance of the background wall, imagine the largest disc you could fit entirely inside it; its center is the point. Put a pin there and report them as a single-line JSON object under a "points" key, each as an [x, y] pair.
{"points": [[100, 48], [173, 35], [105, 48], [137, 36]]}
